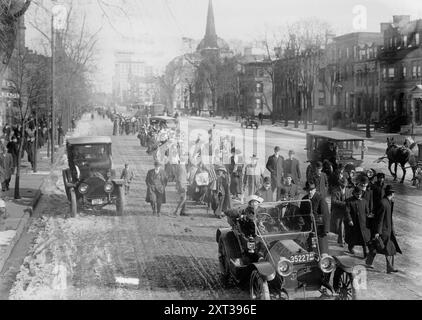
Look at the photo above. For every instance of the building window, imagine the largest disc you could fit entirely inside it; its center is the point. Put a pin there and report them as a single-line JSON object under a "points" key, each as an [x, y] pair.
{"points": [[347, 53], [404, 72], [384, 73], [385, 105], [259, 87], [259, 103], [419, 72], [260, 72], [417, 40], [394, 106], [395, 41], [321, 100], [405, 41], [391, 73], [391, 42]]}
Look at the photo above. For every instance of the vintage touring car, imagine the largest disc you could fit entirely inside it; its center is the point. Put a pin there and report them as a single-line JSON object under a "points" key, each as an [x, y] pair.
{"points": [[90, 180], [249, 122], [346, 148], [284, 257]]}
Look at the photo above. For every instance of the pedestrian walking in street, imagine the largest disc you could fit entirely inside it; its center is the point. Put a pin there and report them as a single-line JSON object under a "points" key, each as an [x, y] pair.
{"points": [[235, 170], [356, 228], [338, 208], [265, 191], [378, 189], [321, 214], [261, 118], [275, 165], [253, 177], [363, 184], [291, 189], [384, 232], [181, 188], [320, 179], [127, 175], [156, 182], [291, 166], [7, 169], [221, 200]]}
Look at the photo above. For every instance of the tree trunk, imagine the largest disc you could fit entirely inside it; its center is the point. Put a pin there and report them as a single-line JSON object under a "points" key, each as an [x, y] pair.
{"points": [[18, 166]]}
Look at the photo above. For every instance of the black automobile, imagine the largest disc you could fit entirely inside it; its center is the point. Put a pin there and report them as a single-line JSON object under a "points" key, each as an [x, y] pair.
{"points": [[90, 181], [284, 257], [249, 122]]}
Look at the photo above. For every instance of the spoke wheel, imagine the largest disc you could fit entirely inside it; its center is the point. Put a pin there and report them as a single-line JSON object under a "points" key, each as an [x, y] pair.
{"points": [[259, 287], [345, 288]]}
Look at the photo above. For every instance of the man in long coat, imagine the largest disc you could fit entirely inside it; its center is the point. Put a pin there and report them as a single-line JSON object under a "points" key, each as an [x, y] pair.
{"points": [[338, 209], [321, 180], [378, 189], [357, 232], [156, 181], [384, 229], [291, 166], [275, 165], [291, 188], [235, 170], [253, 177], [321, 213], [221, 200]]}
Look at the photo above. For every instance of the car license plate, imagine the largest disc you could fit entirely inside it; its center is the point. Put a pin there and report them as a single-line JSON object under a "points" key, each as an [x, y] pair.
{"points": [[302, 258], [97, 202]]}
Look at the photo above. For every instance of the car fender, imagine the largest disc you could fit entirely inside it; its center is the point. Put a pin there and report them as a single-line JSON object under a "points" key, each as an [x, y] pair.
{"points": [[221, 233], [266, 270], [345, 263], [119, 182]]}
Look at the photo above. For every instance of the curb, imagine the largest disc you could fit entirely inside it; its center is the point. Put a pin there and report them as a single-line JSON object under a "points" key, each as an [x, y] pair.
{"points": [[23, 226]]}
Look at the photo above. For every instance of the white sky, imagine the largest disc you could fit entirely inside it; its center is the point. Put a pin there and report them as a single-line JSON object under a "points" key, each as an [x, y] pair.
{"points": [[164, 22]]}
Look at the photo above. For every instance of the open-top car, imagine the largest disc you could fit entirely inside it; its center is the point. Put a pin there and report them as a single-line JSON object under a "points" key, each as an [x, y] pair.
{"points": [[284, 255], [90, 180], [249, 122], [340, 147]]}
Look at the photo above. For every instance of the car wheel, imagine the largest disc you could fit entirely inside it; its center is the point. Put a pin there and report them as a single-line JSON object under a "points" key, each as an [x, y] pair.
{"points": [[343, 285], [224, 261], [73, 203], [120, 202], [259, 289]]}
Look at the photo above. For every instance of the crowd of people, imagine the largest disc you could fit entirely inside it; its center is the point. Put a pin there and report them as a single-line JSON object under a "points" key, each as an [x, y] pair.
{"points": [[352, 203]]}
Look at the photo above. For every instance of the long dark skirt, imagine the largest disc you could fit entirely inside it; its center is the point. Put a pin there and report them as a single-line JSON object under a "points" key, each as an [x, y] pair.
{"points": [[235, 185]]}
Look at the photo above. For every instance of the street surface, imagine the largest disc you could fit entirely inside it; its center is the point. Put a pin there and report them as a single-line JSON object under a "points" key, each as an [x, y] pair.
{"points": [[139, 256]]}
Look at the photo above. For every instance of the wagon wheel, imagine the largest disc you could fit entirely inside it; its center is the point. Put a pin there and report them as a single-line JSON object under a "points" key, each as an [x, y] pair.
{"points": [[73, 203], [343, 284], [259, 287], [224, 262]]}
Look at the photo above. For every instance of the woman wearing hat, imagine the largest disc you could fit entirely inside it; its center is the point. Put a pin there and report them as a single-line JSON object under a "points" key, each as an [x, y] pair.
{"points": [[253, 176], [156, 181], [248, 216], [292, 189], [384, 230]]}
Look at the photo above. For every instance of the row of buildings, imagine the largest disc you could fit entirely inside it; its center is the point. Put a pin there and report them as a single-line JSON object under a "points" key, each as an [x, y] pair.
{"points": [[356, 77]]}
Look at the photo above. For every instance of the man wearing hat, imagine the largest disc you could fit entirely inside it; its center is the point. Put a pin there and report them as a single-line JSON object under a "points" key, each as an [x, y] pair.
{"points": [[265, 191], [156, 181], [253, 176], [235, 171], [291, 166], [127, 175], [291, 189], [320, 179], [378, 189], [221, 200], [384, 230], [338, 208], [357, 232], [181, 177], [320, 211], [275, 165]]}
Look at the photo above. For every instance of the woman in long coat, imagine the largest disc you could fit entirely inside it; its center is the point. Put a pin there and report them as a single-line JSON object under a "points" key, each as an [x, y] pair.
{"points": [[357, 232], [156, 181], [384, 229], [253, 177]]}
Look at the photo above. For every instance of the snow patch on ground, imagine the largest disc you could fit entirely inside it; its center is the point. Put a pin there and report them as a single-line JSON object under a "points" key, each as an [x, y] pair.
{"points": [[6, 237]]}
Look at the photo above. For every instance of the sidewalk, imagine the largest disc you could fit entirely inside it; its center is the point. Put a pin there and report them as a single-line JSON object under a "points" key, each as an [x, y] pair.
{"points": [[20, 211]]}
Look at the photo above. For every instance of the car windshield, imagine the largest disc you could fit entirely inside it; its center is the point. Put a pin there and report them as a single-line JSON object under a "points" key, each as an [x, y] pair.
{"points": [[88, 152], [284, 218]]}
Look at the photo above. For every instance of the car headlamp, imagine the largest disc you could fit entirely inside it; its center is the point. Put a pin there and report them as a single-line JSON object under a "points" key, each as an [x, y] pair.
{"points": [[284, 267], [83, 188], [108, 187], [327, 264]]}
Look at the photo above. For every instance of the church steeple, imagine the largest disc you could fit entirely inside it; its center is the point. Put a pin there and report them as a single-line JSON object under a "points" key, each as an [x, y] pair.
{"points": [[210, 38]]}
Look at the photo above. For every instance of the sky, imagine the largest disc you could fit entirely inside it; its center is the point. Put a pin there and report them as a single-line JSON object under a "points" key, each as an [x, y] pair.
{"points": [[155, 28]]}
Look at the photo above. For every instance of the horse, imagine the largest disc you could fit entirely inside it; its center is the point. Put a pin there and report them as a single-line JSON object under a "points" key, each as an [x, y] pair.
{"points": [[401, 155]]}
